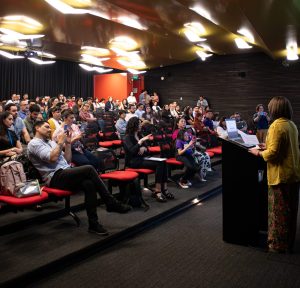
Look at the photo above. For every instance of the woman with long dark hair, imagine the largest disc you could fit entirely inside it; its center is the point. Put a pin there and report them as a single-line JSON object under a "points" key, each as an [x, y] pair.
{"points": [[281, 152], [136, 151], [9, 143]]}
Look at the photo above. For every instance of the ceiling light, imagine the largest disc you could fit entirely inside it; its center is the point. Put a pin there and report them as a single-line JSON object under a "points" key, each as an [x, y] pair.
{"points": [[9, 55], [39, 61], [18, 35], [86, 67], [95, 50], [99, 14], [192, 36], [65, 8], [21, 24], [92, 59], [245, 32], [11, 41], [205, 47], [133, 71], [131, 22], [204, 13], [241, 43], [94, 68], [45, 54], [101, 70], [196, 27], [292, 51], [123, 42], [78, 3], [123, 74], [203, 55]]}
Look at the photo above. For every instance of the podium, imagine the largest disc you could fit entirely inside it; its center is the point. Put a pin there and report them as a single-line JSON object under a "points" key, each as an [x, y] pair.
{"points": [[245, 194]]}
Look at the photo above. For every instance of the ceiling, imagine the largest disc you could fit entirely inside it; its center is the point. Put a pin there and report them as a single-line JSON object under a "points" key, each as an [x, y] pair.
{"points": [[160, 38]]}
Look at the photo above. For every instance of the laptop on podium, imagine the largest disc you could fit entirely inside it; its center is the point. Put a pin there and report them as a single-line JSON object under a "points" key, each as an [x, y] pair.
{"points": [[234, 135]]}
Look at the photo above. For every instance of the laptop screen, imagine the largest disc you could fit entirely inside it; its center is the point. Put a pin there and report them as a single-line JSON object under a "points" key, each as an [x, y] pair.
{"points": [[231, 129]]}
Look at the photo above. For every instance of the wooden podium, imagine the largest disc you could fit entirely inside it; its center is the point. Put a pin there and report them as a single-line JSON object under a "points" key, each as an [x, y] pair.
{"points": [[244, 194]]}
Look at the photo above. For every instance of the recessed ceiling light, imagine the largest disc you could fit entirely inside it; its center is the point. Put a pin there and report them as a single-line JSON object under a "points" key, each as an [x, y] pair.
{"points": [[123, 42], [292, 51], [192, 36], [39, 61], [21, 23], [245, 32], [9, 55], [204, 13], [45, 54], [133, 71], [241, 43], [203, 55], [131, 22]]}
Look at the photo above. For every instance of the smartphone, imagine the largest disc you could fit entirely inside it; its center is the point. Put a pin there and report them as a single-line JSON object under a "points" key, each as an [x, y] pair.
{"points": [[66, 128]]}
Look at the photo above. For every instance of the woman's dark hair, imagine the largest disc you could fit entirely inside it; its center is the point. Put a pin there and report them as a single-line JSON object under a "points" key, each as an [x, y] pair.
{"points": [[164, 107], [221, 123], [280, 107], [77, 100], [3, 128], [180, 135], [66, 113], [132, 125], [257, 107]]}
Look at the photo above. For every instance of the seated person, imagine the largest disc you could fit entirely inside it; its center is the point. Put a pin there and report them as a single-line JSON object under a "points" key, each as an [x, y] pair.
{"points": [[34, 111], [49, 159], [121, 124], [147, 115], [185, 152], [9, 142], [222, 129], [80, 155], [240, 123], [86, 116], [55, 120], [135, 152]]}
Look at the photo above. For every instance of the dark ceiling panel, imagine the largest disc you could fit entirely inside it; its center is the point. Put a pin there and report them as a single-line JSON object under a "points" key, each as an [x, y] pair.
{"points": [[163, 41]]}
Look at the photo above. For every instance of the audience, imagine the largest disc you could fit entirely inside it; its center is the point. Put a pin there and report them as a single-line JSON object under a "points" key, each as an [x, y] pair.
{"points": [[49, 159], [10, 145], [261, 119], [136, 151]]}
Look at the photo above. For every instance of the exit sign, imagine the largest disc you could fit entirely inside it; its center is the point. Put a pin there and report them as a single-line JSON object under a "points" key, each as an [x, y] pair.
{"points": [[135, 77]]}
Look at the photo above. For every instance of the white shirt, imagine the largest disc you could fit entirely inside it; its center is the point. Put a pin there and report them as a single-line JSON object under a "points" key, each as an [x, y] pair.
{"points": [[131, 100]]}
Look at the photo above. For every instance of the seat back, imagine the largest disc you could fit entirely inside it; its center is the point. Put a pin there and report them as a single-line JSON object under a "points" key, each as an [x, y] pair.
{"points": [[107, 158]]}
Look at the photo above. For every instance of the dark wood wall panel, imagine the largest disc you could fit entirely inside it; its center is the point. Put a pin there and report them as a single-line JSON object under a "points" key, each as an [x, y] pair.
{"points": [[230, 83]]}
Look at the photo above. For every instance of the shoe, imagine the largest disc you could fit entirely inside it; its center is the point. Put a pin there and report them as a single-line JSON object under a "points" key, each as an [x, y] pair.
{"points": [[183, 185], [188, 183], [98, 229], [159, 197], [203, 180], [209, 170], [118, 207], [168, 195]]}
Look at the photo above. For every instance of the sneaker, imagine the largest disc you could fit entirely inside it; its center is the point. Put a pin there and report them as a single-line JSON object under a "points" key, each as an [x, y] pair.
{"points": [[117, 206], [188, 183], [183, 185], [98, 229]]}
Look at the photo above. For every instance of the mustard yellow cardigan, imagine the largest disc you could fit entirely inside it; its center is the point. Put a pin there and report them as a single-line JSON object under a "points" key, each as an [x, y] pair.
{"points": [[282, 152]]}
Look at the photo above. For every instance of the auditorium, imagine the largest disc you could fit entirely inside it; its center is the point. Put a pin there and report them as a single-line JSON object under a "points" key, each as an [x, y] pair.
{"points": [[149, 144]]}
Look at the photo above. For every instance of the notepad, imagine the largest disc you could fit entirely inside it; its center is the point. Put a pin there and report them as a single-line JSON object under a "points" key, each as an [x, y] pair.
{"points": [[155, 159]]}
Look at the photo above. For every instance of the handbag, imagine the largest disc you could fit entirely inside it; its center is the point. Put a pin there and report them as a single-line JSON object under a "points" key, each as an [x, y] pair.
{"points": [[29, 188]]}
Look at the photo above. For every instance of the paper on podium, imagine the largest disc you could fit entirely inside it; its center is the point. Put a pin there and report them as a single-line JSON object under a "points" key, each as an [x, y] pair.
{"points": [[248, 139]]}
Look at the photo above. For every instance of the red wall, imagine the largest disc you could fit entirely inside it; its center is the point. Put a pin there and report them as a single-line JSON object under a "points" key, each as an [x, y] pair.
{"points": [[116, 85]]}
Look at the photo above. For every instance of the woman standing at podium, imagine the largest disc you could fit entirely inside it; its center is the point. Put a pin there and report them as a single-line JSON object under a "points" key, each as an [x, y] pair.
{"points": [[281, 152]]}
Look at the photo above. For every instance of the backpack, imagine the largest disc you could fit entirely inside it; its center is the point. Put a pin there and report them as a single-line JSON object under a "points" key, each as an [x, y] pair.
{"points": [[12, 178]]}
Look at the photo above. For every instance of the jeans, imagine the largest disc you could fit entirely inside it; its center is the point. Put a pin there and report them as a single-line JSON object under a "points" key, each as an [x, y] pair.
{"points": [[84, 178], [85, 158]]}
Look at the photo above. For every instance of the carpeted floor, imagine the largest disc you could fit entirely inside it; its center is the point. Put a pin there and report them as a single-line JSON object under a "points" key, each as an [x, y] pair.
{"points": [[186, 251], [36, 245]]}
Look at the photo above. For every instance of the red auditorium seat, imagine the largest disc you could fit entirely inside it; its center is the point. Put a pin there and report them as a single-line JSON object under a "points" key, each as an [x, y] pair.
{"points": [[143, 173], [154, 149], [210, 154], [216, 150], [23, 202]]}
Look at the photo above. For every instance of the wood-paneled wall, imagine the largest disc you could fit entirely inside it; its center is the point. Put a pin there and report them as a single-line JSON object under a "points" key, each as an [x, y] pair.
{"points": [[230, 83]]}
